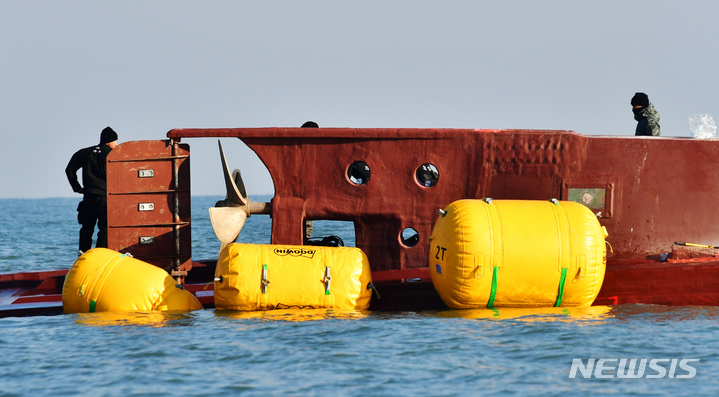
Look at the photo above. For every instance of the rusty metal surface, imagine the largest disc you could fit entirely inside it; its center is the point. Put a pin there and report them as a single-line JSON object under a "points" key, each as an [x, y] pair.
{"points": [[148, 185], [651, 192], [653, 282], [656, 190]]}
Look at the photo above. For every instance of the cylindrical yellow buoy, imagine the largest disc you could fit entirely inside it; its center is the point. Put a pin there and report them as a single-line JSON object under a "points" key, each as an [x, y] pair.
{"points": [[105, 280], [517, 253], [264, 277]]}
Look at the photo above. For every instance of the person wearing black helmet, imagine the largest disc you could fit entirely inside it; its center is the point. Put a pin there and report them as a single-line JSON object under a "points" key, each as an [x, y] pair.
{"points": [[93, 207], [646, 115]]}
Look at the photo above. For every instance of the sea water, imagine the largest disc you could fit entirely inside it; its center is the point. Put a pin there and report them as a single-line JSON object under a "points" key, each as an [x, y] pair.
{"points": [[325, 352]]}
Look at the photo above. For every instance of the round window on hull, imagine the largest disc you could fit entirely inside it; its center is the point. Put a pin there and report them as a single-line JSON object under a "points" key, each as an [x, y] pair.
{"points": [[358, 173], [409, 237], [427, 175]]}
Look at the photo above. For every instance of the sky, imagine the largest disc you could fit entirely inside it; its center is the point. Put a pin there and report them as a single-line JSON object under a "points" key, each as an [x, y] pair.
{"points": [[71, 68]]}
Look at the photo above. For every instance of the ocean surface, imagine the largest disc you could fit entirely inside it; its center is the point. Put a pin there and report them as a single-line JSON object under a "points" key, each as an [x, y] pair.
{"points": [[325, 352]]}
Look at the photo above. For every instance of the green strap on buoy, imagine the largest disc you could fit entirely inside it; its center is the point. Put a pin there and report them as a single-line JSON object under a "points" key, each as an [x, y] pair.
{"points": [[92, 306], [493, 293], [561, 288], [265, 281], [327, 280]]}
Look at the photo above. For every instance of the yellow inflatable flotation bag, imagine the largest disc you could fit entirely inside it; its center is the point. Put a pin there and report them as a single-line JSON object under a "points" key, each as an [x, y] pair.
{"points": [[105, 280], [265, 277], [517, 253]]}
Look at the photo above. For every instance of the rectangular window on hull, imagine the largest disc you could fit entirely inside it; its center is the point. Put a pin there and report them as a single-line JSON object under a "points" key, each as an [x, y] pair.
{"points": [[330, 233], [598, 197], [593, 198]]}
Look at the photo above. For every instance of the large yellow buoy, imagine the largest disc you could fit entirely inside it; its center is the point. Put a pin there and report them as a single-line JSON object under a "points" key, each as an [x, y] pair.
{"points": [[264, 277], [105, 280], [517, 253]]}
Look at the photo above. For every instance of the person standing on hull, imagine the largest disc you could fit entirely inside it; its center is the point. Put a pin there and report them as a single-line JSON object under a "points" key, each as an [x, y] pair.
{"points": [[93, 207], [646, 115]]}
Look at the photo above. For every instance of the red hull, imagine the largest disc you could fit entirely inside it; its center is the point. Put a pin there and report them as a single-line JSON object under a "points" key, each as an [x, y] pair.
{"points": [[649, 192], [674, 284]]}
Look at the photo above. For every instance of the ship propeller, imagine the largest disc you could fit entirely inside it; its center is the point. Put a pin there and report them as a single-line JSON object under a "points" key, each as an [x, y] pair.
{"points": [[228, 216]]}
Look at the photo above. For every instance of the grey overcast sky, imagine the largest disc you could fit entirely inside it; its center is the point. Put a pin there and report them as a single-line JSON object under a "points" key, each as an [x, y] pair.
{"points": [[70, 68]]}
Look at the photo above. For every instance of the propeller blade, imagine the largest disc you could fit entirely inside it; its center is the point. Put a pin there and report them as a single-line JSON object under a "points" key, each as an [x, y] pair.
{"points": [[237, 177], [227, 223], [233, 193], [229, 215]]}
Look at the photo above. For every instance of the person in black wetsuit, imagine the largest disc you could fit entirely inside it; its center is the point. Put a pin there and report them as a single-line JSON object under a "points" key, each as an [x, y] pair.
{"points": [[93, 207], [646, 115]]}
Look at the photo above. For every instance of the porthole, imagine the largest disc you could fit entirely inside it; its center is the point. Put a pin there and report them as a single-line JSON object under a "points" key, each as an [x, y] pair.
{"points": [[409, 237], [358, 173], [427, 175]]}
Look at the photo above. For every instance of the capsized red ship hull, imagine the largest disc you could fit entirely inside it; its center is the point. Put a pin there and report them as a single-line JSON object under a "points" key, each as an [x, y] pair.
{"points": [[648, 192]]}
